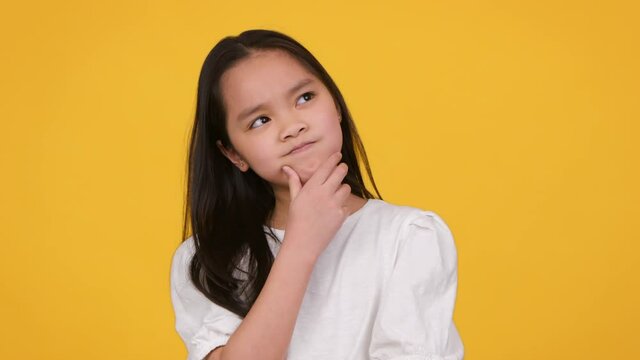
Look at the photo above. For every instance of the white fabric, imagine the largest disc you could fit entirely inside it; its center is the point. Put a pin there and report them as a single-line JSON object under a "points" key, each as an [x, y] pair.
{"points": [[383, 289]]}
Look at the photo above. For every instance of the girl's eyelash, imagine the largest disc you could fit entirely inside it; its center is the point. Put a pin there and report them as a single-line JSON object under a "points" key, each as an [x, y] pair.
{"points": [[313, 95], [309, 92], [258, 118]]}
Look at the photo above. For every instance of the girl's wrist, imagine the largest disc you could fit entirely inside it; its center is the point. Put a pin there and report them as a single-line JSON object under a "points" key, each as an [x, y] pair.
{"points": [[300, 255]]}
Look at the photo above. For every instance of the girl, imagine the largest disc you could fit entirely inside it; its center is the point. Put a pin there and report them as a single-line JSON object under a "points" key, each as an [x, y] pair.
{"points": [[291, 256]]}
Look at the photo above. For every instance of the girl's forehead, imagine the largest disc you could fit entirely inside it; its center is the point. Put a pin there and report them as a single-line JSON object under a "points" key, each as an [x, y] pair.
{"points": [[262, 76], [262, 68]]}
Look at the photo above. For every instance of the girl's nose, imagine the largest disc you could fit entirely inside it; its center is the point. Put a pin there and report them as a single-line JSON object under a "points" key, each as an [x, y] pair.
{"points": [[293, 129]]}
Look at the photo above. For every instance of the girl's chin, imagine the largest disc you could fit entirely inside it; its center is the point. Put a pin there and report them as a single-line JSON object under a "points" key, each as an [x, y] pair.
{"points": [[305, 170], [307, 166]]}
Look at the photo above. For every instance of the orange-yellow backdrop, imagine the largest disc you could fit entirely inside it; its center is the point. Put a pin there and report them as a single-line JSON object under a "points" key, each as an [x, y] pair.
{"points": [[516, 121]]}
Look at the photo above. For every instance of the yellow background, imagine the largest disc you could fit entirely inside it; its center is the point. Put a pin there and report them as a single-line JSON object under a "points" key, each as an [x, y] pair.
{"points": [[516, 121]]}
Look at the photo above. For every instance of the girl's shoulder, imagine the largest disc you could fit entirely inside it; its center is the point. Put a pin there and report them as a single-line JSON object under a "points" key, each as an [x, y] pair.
{"points": [[180, 261], [185, 250], [417, 235], [403, 217]]}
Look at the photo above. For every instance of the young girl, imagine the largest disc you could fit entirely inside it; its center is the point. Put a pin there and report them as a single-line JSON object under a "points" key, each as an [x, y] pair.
{"points": [[291, 256]]}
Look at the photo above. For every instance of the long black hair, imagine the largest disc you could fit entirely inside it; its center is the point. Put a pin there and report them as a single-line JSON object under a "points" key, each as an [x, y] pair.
{"points": [[227, 208]]}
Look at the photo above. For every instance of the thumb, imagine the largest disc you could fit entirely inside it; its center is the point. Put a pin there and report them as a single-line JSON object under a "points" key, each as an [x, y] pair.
{"points": [[294, 182]]}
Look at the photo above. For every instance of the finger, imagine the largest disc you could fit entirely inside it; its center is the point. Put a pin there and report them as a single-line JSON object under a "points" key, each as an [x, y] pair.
{"points": [[320, 176], [337, 175], [343, 193], [294, 182]]}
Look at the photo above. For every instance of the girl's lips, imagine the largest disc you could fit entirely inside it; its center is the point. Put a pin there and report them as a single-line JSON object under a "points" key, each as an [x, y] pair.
{"points": [[302, 148]]}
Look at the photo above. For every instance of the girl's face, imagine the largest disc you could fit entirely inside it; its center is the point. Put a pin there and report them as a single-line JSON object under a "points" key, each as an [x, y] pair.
{"points": [[273, 105]]}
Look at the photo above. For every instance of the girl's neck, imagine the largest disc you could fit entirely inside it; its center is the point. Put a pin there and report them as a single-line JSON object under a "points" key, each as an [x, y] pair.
{"points": [[280, 212]]}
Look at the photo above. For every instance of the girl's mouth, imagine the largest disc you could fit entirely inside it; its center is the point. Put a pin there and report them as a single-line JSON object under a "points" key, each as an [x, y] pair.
{"points": [[301, 148]]}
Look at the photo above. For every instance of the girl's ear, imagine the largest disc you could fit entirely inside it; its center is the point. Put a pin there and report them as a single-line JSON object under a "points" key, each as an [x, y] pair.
{"points": [[233, 156]]}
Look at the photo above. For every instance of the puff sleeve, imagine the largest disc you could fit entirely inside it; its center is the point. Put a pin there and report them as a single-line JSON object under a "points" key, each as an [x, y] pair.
{"points": [[414, 319], [202, 324]]}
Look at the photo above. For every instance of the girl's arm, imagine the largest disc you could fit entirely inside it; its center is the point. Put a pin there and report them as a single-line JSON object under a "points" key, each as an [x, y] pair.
{"points": [[316, 212], [266, 331], [414, 319]]}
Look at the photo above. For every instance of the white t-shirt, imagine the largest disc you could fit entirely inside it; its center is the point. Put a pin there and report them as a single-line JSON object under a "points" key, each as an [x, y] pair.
{"points": [[384, 288]]}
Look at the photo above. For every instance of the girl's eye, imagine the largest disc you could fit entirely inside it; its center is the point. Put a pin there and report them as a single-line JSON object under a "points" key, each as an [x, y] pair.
{"points": [[258, 121], [310, 95], [307, 96]]}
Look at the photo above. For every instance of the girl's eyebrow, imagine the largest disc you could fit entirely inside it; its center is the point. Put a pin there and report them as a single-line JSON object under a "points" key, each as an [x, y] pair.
{"points": [[292, 90]]}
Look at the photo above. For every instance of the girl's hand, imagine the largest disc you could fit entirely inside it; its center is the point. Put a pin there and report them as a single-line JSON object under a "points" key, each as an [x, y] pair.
{"points": [[317, 209]]}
